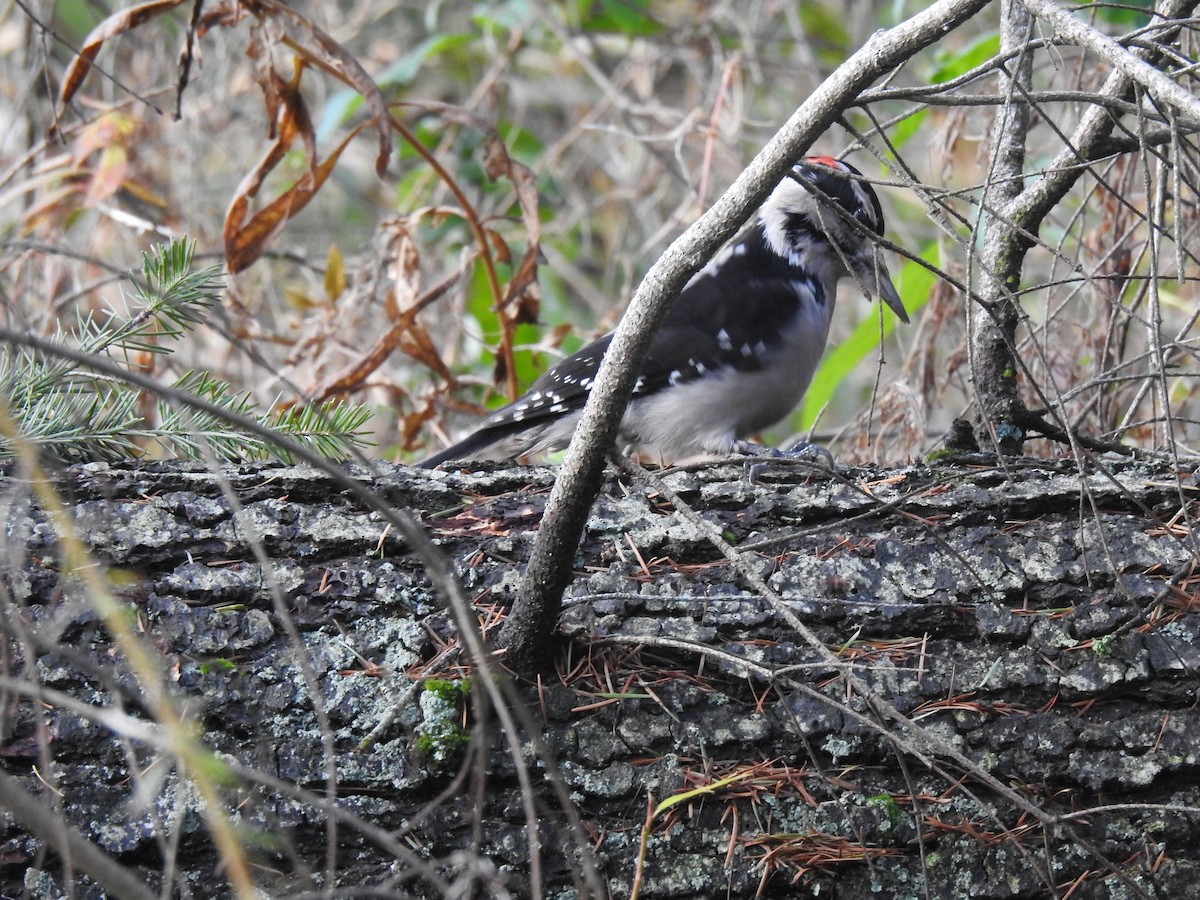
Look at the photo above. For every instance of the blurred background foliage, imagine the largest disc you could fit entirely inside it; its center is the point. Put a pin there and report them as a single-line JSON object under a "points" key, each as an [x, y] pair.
{"points": [[540, 155]]}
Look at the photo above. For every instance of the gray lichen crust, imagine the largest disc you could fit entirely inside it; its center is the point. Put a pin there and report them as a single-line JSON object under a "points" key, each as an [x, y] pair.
{"points": [[1058, 652]]}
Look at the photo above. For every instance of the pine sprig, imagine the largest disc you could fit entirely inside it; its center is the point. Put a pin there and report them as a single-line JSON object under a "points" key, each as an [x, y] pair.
{"points": [[78, 426], [329, 428], [171, 297], [76, 415]]}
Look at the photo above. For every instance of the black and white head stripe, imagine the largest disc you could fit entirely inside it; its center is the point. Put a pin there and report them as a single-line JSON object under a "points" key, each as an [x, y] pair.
{"points": [[853, 195]]}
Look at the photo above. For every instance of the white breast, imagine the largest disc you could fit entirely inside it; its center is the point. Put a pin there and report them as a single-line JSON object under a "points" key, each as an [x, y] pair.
{"points": [[709, 414]]}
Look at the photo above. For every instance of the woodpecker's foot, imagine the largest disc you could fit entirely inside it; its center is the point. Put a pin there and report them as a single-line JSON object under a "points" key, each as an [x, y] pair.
{"points": [[813, 452], [801, 450]]}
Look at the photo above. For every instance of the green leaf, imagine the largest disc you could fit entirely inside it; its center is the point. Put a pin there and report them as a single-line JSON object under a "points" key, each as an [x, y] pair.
{"points": [[479, 304], [906, 128], [523, 145], [950, 66], [628, 17]]}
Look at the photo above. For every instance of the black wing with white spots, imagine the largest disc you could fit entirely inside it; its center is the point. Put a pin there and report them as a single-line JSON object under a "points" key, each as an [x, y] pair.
{"points": [[730, 316], [733, 315]]}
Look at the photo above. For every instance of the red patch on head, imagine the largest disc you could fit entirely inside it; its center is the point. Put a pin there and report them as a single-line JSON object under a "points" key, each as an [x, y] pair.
{"points": [[824, 161]]}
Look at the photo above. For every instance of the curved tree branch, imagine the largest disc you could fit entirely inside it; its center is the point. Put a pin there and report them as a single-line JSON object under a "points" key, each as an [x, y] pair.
{"points": [[531, 620]]}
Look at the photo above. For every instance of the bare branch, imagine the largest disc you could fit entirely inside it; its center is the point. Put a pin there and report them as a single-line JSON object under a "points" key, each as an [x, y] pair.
{"points": [[1090, 141], [993, 363], [1157, 85]]}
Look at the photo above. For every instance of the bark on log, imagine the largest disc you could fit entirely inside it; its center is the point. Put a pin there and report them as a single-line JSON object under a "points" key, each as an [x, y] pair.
{"points": [[1036, 623]]}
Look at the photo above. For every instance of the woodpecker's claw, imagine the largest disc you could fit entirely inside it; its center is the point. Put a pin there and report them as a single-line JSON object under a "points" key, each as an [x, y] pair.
{"points": [[801, 450], [805, 450]]}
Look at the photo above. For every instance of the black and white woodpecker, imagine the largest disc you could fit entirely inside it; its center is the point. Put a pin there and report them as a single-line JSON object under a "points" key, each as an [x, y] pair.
{"points": [[740, 343]]}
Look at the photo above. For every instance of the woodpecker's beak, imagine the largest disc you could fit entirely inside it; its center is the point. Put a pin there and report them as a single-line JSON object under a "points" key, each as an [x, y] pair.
{"points": [[871, 272], [886, 291]]}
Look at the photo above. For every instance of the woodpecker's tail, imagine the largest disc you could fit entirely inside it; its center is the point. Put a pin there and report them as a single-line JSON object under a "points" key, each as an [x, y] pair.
{"points": [[477, 445]]}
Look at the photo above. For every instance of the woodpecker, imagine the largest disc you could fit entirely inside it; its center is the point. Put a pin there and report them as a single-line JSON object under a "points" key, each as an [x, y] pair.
{"points": [[740, 343]]}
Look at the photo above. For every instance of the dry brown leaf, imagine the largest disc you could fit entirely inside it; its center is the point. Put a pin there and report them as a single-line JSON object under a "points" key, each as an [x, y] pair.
{"points": [[406, 266], [496, 161], [521, 296], [55, 203], [110, 128], [415, 342], [412, 426], [117, 23], [264, 36], [107, 175], [407, 335], [500, 369], [525, 184], [503, 254], [283, 133], [246, 241], [225, 14], [337, 60], [527, 305]]}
